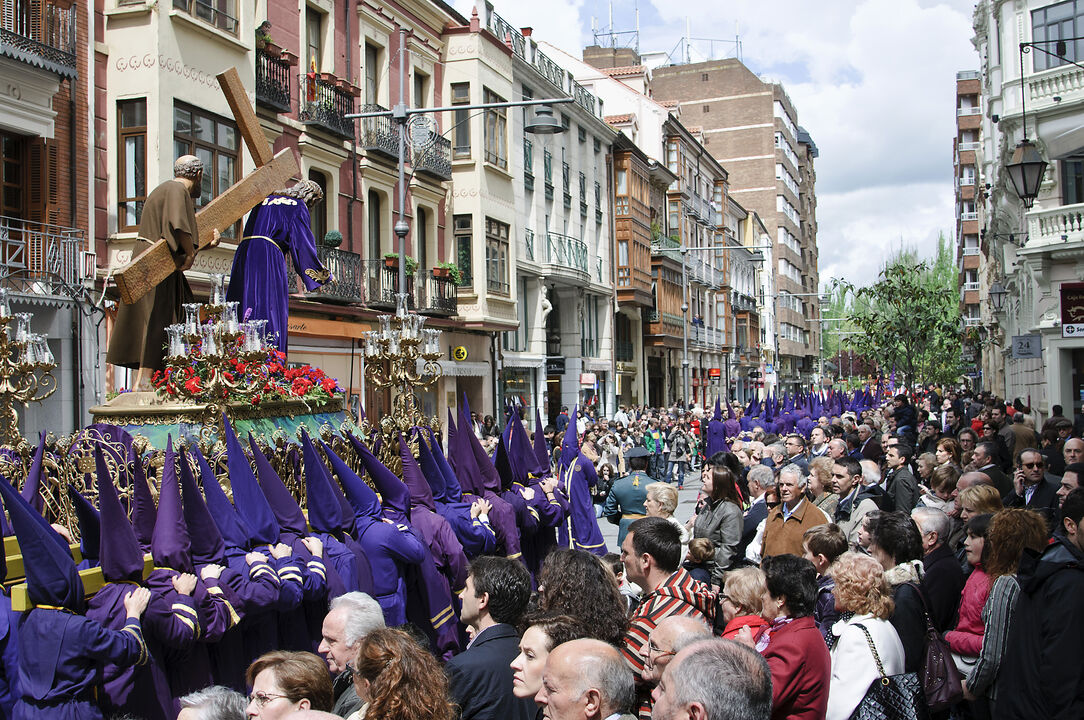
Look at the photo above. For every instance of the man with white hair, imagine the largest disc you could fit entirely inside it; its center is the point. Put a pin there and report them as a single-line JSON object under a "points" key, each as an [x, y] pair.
{"points": [[586, 680], [352, 616], [788, 521], [942, 578], [213, 703], [668, 638], [715, 679]]}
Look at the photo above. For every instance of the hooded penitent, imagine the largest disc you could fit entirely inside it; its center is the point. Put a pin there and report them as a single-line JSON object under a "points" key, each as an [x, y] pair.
{"points": [[248, 498], [35, 477], [325, 518], [476, 537], [207, 543], [144, 512], [170, 544], [90, 527], [715, 437], [580, 531]]}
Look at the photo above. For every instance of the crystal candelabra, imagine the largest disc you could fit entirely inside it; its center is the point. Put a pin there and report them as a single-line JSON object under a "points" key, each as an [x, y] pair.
{"points": [[203, 354], [26, 368], [403, 355]]}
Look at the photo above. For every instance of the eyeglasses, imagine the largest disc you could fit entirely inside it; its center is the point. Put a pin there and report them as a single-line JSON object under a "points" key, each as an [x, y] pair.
{"points": [[261, 698], [653, 649], [1032, 465]]}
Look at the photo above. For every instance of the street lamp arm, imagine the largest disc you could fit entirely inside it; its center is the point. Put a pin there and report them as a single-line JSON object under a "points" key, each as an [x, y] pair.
{"points": [[1026, 47]]}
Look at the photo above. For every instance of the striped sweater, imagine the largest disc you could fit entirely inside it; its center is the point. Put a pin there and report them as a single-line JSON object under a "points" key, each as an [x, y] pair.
{"points": [[680, 594]]}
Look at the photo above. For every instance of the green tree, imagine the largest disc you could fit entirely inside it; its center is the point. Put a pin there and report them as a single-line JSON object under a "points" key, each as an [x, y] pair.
{"points": [[909, 319]]}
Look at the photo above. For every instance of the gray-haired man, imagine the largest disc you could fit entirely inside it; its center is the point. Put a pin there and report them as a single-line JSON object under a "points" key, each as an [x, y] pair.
{"points": [[352, 616]]}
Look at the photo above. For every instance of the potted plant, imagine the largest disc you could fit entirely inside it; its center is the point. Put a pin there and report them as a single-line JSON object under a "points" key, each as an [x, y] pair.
{"points": [[290, 58], [328, 77], [332, 239], [391, 260], [263, 36], [448, 270]]}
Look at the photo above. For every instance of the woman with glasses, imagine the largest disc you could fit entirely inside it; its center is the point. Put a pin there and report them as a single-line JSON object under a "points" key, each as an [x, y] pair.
{"points": [[283, 682], [398, 679], [741, 602]]}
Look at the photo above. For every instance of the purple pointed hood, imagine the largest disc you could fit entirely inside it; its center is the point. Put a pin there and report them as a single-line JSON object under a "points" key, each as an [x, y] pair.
{"points": [[730, 411], [541, 449], [325, 514], [453, 434], [230, 527], [90, 526], [208, 546], [119, 555], [287, 511], [362, 498], [393, 493], [487, 477], [420, 492], [34, 478], [144, 513], [718, 415], [461, 457], [570, 444], [431, 472], [252, 506], [170, 544], [51, 577], [502, 465], [520, 453]]}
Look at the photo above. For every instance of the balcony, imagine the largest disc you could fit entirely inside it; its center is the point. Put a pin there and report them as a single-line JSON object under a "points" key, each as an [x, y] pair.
{"points": [[216, 15], [39, 34], [325, 102], [374, 284], [567, 257], [42, 259], [968, 216], [972, 321], [623, 351], [969, 286], [377, 133], [1056, 225], [436, 158], [528, 245], [964, 111], [346, 284], [970, 251], [440, 297], [273, 86], [965, 146], [528, 164]]}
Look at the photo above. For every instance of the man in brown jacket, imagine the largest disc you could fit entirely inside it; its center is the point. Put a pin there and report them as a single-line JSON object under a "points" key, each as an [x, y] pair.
{"points": [[788, 521], [139, 333]]}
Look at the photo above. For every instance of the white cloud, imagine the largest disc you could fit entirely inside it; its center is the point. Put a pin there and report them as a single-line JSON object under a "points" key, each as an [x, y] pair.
{"points": [[873, 82]]}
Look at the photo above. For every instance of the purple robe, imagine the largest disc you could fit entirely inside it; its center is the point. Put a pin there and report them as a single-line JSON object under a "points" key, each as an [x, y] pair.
{"points": [[61, 659], [580, 531], [9, 655], [179, 623], [255, 589], [258, 281]]}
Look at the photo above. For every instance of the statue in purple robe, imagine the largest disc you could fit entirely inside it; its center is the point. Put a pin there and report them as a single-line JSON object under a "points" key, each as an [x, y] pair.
{"points": [[277, 228]]}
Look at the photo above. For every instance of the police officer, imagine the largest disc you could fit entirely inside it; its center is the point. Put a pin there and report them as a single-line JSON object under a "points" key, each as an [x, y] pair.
{"points": [[625, 503]]}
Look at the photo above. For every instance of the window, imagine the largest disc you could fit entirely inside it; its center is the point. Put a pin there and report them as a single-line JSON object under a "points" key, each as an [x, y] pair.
{"points": [[421, 239], [496, 256], [421, 83], [623, 273], [220, 13], [314, 39], [131, 162], [621, 182], [527, 94], [703, 77], [1057, 22], [547, 168], [589, 327], [461, 136], [516, 340], [12, 179], [706, 108], [374, 225], [581, 134], [214, 140], [1072, 171], [672, 157], [372, 74], [318, 212], [464, 250], [496, 130]]}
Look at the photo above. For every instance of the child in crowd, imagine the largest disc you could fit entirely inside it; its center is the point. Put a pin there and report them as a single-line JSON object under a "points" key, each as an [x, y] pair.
{"points": [[630, 591], [821, 546], [699, 558]]}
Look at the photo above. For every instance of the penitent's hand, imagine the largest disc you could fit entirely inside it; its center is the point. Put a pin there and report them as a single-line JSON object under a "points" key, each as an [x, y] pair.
{"points": [[185, 583], [211, 571], [136, 601], [314, 545]]}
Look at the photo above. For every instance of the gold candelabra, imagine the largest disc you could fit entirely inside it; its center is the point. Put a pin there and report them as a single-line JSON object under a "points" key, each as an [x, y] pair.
{"points": [[26, 369], [205, 352], [402, 355]]}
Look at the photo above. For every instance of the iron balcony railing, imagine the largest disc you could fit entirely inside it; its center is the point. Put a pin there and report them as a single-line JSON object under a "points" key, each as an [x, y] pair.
{"points": [[273, 86], [528, 164], [41, 34], [218, 14], [346, 284], [566, 251], [324, 104], [377, 133], [436, 158], [426, 293], [528, 245], [441, 298], [40, 258]]}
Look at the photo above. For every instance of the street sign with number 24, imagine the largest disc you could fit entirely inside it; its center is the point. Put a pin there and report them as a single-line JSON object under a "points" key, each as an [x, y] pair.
{"points": [[1027, 346]]}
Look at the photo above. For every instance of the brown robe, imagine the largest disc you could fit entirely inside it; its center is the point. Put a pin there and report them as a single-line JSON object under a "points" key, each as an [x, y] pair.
{"points": [[139, 334]]}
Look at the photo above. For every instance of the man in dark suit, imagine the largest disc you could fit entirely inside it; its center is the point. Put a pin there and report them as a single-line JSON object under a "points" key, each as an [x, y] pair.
{"points": [[1033, 488], [761, 479], [985, 460], [900, 485], [480, 678], [943, 578], [870, 447]]}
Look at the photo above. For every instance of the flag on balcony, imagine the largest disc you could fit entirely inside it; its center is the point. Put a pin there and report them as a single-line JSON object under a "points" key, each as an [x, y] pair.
{"points": [[310, 83]]}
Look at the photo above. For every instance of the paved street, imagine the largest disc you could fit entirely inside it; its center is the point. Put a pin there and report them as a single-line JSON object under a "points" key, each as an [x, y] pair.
{"points": [[686, 506]]}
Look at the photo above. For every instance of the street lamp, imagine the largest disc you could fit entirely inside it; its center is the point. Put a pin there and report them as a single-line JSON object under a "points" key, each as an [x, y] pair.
{"points": [[997, 294], [1026, 171]]}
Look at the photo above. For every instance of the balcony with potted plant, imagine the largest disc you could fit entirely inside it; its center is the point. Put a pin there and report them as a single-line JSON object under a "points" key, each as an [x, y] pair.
{"points": [[273, 73], [325, 102]]}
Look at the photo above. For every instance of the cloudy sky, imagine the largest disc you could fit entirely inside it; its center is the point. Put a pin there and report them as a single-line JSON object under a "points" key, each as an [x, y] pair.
{"points": [[873, 81]]}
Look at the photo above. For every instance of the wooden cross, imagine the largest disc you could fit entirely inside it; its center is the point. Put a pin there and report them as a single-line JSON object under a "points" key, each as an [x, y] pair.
{"points": [[273, 172]]}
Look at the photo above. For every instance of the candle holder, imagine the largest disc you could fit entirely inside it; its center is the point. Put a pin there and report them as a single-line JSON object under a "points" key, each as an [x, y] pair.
{"points": [[26, 369]]}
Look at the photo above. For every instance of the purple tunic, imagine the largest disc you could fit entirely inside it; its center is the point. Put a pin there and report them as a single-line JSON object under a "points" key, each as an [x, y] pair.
{"points": [[9, 656], [61, 660], [581, 531], [258, 281]]}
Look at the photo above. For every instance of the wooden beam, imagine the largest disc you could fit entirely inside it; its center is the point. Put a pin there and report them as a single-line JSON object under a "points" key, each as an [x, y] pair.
{"points": [[247, 122], [92, 578], [156, 263]]}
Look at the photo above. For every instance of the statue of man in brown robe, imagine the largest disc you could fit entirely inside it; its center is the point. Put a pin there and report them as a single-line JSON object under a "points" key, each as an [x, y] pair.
{"points": [[139, 334]]}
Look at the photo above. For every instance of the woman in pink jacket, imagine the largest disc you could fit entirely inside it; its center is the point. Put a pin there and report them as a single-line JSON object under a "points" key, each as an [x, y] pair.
{"points": [[966, 639]]}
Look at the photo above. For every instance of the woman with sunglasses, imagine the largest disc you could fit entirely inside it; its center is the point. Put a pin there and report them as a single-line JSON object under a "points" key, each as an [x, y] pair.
{"points": [[283, 682]]}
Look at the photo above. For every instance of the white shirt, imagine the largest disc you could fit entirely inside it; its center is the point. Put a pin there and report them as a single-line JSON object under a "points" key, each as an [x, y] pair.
{"points": [[853, 668]]}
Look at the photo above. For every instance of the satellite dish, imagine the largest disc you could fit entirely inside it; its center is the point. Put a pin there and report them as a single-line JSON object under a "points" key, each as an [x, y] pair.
{"points": [[422, 131]]}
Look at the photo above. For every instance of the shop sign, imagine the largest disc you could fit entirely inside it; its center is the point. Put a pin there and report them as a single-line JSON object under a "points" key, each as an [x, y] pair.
{"points": [[626, 367], [459, 353], [714, 372], [1072, 310], [587, 379], [1027, 346], [555, 366]]}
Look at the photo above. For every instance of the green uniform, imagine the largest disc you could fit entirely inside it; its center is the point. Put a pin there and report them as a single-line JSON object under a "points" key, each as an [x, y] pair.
{"points": [[625, 503]]}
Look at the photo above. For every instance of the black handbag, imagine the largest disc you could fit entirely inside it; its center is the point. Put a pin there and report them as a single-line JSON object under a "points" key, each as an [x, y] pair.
{"points": [[896, 697], [941, 680]]}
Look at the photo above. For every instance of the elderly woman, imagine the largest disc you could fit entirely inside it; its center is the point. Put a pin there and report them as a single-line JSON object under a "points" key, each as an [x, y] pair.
{"points": [[742, 602], [978, 500], [820, 485], [283, 682], [1010, 532], [544, 632], [861, 589], [896, 543], [398, 679], [720, 520], [792, 644], [662, 501], [925, 462]]}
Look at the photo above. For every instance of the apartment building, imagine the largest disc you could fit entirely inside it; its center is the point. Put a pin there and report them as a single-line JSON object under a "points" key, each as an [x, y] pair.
{"points": [[1033, 245], [751, 127]]}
